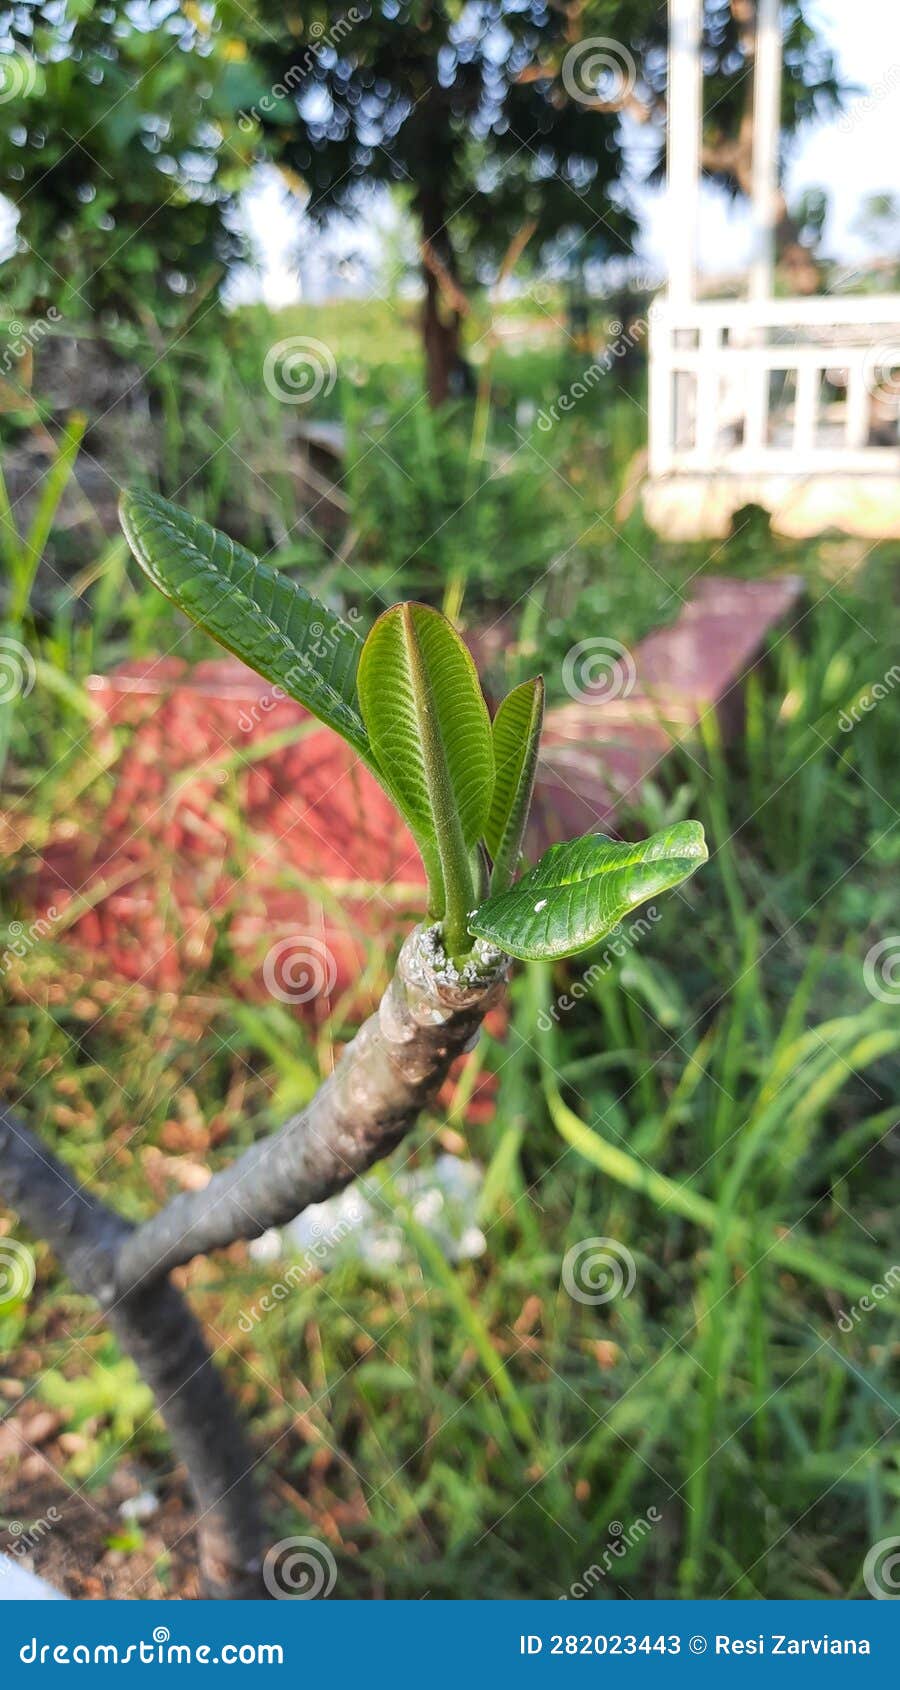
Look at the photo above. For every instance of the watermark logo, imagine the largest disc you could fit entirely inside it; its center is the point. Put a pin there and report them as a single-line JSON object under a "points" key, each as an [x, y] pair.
{"points": [[881, 1570], [882, 371], [867, 700], [18, 76], [881, 970], [860, 108], [599, 669], [26, 1538], [299, 369], [21, 940], [322, 41], [299, 968], [622, 341], [314, 1258], [618, 945], [597, 1270], [17, 670], [24, 337], [620, 1539], [299, 1569], [599, 72], [323, 641], [882, 1288], [17, 1272]]}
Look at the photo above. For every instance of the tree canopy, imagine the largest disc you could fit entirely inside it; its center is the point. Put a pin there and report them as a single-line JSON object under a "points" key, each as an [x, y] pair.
{"points": [[121, 154], [502, 120]]}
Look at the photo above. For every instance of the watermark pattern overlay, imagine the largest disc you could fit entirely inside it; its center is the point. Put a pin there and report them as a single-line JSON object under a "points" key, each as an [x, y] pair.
{"points": [[24, 337], [599, 669], [299, 968], [18, 76], [881, 1570], [26, 1538], [623, 341], [882, 1288], [882, 372], [299, 369], [879, 91], [313, 1258], [868, 700], [597, 1270], [616, 947], [620, 1540], [299, 1569], [599, 72], [17, 1272], [881, 970], [323, 43], [17, 669], [322, 641], [19, 941]]}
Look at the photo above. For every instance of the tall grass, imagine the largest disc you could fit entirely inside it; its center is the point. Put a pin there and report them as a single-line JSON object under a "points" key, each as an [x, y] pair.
{"points": [[718, 1103]]}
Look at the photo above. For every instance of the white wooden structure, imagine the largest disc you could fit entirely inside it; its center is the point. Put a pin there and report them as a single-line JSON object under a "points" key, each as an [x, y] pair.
{"points": [[792, 404]]}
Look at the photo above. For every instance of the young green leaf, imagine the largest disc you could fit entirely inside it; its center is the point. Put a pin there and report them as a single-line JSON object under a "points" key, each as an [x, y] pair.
{"points": [[516, 735], [429, 729], [580, 891], [264, 617]]}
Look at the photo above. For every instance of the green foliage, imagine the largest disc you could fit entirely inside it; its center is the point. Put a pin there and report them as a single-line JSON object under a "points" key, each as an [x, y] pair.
{"points": [[264, 617], [123, 155], [516, 735], [580, 891], [736, 1105], [105, 1407], [431, 734], [410, 703], [432, 505], [486, 126]]}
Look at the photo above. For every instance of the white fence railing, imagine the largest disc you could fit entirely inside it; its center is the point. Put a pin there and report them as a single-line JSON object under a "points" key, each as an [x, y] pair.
{"points": [[783, 386]]}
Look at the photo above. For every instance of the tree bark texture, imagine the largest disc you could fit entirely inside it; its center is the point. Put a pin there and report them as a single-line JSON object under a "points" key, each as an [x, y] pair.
{"points": [[429, 1015]]}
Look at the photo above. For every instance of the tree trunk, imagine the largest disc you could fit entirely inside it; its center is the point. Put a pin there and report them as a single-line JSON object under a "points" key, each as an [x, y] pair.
{"points": [[156, 1328], [429, 1015], [444, 370]]}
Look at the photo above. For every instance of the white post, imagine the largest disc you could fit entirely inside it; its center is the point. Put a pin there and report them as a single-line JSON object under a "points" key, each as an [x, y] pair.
{"points": [[670, 419], [683, 143], [806, 404], [859, 402], [766, 139]]}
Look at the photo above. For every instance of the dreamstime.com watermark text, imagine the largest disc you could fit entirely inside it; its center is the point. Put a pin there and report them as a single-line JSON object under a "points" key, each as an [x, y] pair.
{"points": [[312, 1259], [618, 946], [623, 341], [869, 700], [158, 1651], [621, 1540], [296, 74], [867, 1304]]}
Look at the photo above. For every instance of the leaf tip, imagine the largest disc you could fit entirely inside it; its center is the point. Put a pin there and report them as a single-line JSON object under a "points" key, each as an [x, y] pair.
{"points": [[693, 842]]}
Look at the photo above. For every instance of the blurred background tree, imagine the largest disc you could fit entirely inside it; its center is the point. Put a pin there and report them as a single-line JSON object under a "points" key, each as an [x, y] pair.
{"points": [[121, 155], [502, 123]]}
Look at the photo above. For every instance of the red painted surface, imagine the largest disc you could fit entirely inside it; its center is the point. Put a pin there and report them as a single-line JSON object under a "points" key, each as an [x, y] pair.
{"points": [[206, 841], [598, 751]]}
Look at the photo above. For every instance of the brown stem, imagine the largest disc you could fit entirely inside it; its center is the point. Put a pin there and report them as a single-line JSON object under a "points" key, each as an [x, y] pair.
{"points": [[428, 1016], [156, 1328], [399, 1059]]}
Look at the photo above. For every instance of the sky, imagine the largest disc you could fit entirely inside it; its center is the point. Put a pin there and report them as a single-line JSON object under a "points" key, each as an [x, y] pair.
{"points": [[852, 157]]}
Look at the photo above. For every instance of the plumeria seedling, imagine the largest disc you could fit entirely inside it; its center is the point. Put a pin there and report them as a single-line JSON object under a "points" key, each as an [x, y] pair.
{"points": [[409, 702]]}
